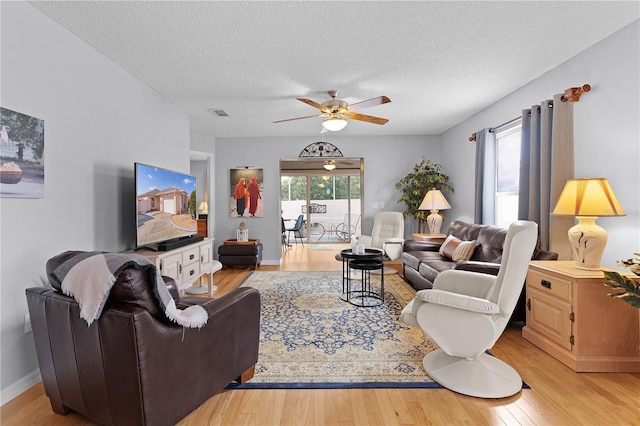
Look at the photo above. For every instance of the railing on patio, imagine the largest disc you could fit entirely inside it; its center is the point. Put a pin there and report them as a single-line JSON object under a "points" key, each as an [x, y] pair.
{"points": [[329, 215]]}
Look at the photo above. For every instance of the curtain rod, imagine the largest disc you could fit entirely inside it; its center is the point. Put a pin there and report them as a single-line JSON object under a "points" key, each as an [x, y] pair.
{"points": [[571, 94]]}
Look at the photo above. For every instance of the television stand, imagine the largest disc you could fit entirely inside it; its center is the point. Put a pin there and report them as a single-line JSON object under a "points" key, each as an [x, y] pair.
{"points": [[186, 264]]}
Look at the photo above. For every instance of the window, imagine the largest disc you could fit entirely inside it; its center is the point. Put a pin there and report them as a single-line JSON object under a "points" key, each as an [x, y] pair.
{"points": [[507, 173]]}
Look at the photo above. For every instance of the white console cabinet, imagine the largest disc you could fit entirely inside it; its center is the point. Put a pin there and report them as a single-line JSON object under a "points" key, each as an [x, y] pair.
{"points": [[186, 264]]}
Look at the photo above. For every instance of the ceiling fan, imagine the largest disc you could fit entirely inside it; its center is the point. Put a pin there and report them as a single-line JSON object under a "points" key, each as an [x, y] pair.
{"points": [[336, 111]]}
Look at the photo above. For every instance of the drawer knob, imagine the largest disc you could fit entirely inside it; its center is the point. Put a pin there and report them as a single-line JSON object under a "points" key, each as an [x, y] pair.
{"points": [[191, 257], [191, 272], [545, 284], [529, 304]]}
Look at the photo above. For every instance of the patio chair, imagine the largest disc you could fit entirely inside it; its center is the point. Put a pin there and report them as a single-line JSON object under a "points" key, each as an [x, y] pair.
{"points": [[348, 227], [297, 228]]}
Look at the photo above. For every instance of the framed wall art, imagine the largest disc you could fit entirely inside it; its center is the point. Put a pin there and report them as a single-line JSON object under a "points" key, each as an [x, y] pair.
{"points": [[21, 155], [246, 188]]}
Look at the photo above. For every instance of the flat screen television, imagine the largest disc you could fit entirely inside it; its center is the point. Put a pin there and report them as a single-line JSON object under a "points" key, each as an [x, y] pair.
{"points": [[165, 206]]}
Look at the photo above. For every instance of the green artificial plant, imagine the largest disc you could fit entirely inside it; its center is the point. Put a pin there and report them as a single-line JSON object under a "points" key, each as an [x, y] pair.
{"points": [[628, 289], [192, 203], [424, 177]]}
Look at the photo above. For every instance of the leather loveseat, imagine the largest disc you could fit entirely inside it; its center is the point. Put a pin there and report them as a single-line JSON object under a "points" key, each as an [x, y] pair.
{"points": [[422, 262], [133, 365]]}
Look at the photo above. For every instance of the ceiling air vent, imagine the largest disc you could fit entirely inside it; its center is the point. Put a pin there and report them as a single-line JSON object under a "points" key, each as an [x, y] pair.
{"points": [[219, 112]]}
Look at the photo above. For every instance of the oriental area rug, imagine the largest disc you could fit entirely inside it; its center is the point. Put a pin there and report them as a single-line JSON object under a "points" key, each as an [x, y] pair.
{"points": [[310, 338]]}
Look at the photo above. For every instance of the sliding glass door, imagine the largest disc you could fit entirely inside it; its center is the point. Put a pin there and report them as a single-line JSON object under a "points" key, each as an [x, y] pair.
{"points": [[330, 202]]}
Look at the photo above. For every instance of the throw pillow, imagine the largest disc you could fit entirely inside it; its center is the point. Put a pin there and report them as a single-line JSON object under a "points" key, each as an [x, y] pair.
{"points": [[449, 246], [456, 249], [464, 251]]}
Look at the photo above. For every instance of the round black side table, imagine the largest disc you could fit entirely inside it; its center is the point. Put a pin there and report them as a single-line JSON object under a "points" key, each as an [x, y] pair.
{"points": [[348, 255], [366, 295]]}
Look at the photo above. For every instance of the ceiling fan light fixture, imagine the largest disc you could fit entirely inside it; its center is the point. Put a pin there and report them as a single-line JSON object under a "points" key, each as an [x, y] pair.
{"points": [[329, 165], [334, 123]]}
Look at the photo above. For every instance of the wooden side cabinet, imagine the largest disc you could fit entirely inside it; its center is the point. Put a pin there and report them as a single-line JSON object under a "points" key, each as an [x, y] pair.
{"points": [[571, 317], [202, 227]]}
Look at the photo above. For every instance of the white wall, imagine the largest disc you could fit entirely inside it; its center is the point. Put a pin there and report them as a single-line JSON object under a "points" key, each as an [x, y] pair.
{"points": [[606, 131], [98, 121], [387, 159]]}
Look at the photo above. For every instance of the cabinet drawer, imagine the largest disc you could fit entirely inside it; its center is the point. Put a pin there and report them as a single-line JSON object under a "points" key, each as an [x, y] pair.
{"points": [[549, 284], [190, 272], [190, 256], [550, 316]]}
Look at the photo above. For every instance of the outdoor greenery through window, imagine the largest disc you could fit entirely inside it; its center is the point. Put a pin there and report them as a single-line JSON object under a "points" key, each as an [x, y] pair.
{"points": [[507, 174], [294, 188]]}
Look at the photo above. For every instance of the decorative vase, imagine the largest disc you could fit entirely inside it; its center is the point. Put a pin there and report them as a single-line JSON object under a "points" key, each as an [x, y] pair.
{"points": [[242, 235]]}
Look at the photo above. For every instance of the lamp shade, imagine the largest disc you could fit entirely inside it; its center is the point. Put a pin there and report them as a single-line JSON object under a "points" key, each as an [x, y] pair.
{"points": [[588, 197], [434, 200], [203, 207], [334, 123]]}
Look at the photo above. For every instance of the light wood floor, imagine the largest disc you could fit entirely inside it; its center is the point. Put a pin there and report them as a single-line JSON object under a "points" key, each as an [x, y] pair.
{"points": [[558, 396]]}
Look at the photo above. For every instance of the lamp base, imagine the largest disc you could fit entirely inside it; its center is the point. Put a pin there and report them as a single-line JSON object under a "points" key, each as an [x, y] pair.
{"points": [[588, 241], [434, 220]]}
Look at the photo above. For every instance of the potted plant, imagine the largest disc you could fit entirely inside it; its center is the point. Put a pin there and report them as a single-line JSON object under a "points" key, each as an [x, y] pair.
{"points": [[628, 289], [315, 229], [425, 176]]}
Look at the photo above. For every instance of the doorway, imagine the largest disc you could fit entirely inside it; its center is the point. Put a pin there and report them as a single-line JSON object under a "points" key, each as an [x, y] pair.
{"points": [[330, 203], [200, 167]]}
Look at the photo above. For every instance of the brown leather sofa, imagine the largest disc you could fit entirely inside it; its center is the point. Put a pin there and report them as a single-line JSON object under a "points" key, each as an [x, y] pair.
{"points": [[133, 366], [421, 261]]}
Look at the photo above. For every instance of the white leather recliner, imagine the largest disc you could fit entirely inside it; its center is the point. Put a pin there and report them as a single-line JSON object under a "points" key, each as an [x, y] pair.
{"points": [[387, 234], [466, 312]]}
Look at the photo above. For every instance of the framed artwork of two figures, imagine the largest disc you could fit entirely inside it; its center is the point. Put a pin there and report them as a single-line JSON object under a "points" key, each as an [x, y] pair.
{"points": [[246, 187]]}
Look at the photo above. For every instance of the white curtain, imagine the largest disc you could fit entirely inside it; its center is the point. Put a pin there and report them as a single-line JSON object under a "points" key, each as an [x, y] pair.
{"points": [[546, 164]]}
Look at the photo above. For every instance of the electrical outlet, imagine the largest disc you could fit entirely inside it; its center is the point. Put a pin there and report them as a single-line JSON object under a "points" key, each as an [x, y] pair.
{"points": [[27, 324], [382, 204], [374, 205]]}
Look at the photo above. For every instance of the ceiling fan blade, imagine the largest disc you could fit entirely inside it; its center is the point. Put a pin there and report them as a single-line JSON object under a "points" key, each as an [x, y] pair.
{"points": [[314, 104], [363, 117], [300, 118], [371, 102]]}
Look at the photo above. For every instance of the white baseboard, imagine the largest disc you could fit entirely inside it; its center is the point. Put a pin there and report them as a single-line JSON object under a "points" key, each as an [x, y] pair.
{"points": [[270, 262], [11, 391]]}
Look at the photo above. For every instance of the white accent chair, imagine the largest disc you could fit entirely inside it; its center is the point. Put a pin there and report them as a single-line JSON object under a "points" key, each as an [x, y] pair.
{"points": [[466, 312], [387, 234]]}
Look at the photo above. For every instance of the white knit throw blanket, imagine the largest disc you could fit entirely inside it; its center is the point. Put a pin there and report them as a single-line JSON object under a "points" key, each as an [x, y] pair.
{"points": [[88, 278]]}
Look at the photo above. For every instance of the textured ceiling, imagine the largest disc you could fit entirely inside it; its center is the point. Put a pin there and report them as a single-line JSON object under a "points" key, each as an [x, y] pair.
{"points": [[439, 62]]}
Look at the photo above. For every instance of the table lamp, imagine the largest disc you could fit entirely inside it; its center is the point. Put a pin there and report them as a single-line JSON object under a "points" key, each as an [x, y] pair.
{"points": [[434, 201], [587, 199], [204, 209]]}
